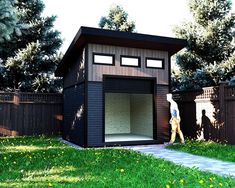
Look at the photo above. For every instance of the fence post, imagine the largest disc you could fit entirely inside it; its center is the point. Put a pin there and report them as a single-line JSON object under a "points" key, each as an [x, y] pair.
{"points": [[16, 98], [14, 120], [222, 111]]}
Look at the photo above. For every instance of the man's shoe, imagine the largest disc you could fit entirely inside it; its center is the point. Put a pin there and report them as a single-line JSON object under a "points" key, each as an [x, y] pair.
{"points": [[168, 143]]}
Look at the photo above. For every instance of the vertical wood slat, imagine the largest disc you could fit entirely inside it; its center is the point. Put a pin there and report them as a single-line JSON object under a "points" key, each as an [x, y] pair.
{"points": [[95, 72], [31, 114], [162, 113], [76, 73], [219, 103], [229, 92]]}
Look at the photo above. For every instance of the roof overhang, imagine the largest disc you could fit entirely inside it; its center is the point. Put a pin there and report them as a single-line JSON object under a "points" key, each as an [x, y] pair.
{"points": [[87, 35]]}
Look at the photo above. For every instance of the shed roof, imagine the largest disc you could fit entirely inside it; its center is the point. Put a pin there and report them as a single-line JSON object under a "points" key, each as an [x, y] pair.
{"points": [[87, 35]]}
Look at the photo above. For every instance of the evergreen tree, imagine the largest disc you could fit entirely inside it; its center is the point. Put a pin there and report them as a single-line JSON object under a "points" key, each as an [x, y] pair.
{"points": [[117, 20], [30, 60], [208, 58], [8, 20]]}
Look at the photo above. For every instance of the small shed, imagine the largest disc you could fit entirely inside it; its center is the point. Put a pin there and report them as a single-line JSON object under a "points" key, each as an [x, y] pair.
{"points": [[114, 86]]}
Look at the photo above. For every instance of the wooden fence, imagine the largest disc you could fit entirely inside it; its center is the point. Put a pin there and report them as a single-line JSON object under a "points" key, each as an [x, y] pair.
{"points": [[30, 113], [208, 113]]}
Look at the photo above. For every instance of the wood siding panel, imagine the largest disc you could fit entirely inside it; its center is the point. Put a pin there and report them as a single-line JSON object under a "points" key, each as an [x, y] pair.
{"points": [[74, 114], [162, 113], [95, 114], [95, 72], [76, 72]]}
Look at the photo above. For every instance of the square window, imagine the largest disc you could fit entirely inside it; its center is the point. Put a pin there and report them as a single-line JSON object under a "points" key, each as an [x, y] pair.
{"points": [[155, 63], [130, 61], [103, 59]]}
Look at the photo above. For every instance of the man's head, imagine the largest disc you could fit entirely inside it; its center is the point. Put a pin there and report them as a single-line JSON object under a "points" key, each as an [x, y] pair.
{"points": [[203, 112], [169, 97]]}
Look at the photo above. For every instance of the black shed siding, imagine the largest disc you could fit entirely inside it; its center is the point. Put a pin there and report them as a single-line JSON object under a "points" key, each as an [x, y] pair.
{"points": [[84, 85], [95, 114], [74, 114], [76, 73], [162, 113]]}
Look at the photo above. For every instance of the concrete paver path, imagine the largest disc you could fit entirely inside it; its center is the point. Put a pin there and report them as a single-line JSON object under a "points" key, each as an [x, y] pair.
{"points": [[186, 159]]}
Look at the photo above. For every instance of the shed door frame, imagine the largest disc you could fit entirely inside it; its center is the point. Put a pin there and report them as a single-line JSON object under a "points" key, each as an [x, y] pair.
{"points": [[140, 90]]}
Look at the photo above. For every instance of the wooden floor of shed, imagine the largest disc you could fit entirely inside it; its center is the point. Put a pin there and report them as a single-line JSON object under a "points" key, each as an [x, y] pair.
{"points": [[125, 137]]}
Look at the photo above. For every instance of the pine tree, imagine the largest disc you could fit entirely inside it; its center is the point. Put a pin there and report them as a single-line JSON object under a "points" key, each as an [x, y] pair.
{"points": [[8, 19], [207, 59], [117, 20], [30, 60]]}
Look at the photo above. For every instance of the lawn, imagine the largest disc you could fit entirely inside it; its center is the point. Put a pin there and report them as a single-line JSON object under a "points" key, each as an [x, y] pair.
{"points": [[45, 162], [210, 149]]}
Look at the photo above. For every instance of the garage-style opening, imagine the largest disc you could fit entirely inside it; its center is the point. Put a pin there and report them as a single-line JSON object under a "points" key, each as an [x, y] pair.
{"points": [[129, 109]]}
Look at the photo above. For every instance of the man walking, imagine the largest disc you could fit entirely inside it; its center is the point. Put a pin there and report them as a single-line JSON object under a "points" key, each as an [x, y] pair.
{"points": [[175, 120]]}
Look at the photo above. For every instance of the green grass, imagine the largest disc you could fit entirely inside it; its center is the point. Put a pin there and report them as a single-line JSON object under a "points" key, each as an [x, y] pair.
{"points": [[207, 148], [45, 162]]}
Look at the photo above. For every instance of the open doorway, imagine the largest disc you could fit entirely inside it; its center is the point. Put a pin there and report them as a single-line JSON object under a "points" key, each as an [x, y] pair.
{"points": [[128, 117], [129, 109]]}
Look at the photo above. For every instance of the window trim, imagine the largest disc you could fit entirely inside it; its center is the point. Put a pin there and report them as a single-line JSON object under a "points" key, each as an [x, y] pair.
{"points": [[158, 59], [133, 57], [103, 54]]}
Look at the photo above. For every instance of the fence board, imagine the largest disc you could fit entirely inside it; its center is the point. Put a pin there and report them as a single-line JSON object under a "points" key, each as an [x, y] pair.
{"points": [[230, 120], [30, 113], [218, 104]]}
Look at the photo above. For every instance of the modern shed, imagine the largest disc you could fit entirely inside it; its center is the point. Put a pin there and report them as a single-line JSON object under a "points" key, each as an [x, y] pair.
{"points": [[115, 86]]}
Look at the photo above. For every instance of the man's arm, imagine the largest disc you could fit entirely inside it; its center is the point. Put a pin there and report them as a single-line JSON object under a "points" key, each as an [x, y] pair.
{"points": [[178, 112]]}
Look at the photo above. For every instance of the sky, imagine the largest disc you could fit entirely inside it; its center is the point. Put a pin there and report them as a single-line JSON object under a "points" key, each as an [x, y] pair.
{"points": [[155, 17]]}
